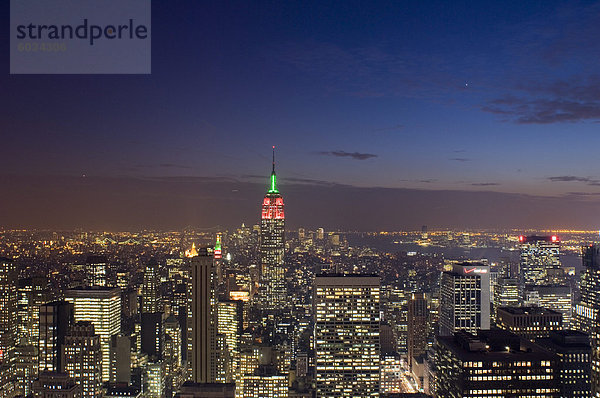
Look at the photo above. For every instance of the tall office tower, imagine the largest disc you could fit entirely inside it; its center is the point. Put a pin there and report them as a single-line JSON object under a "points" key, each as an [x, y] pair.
{"points": [[574, 361], [587, 315], [201, 319], [55, 319], [529, 323], [495, 363], [424, 233], [120, 359], [173, 359], [150, 296], [506, 294], [96, 271], [272, 245], [81, 351], [152, 334], [33, 292], [56, 385], [102, 307], [26, 369], [346, 338], [554, 297], [229, 325], [418, 316], [586, 310], [8, 315], [301, 234], [465, 299], [540, 258]]}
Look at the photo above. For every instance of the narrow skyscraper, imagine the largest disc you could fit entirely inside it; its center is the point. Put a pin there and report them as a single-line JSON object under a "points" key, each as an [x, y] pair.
{"points": [[201, 319], [272, 245]]}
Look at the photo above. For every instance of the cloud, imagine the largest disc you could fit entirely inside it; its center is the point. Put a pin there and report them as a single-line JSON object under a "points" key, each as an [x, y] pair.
{"points": [[461, 159], [485, 184], [586, 180], [353, 155], [174, 166], [553, 109]]}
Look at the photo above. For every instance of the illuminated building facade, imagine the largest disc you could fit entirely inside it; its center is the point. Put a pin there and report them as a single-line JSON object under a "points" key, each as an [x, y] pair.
{"points": [[97, 271], [33, 292], [540, 257], [418, 315], [229, 325], [102, 307], [55, 319], [155, 379], [150, 299], [259, 386], [8, 315], [272, 246], [81, 352], [347, 318], [554, 297], [529, 322], [586, 310], [391, 374], [465, 299], [201, 319], [495, 363], [574, 361], [506, 294]]}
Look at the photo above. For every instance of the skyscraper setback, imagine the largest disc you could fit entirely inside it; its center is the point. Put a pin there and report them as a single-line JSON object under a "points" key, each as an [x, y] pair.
{"points": [[272, 245]]}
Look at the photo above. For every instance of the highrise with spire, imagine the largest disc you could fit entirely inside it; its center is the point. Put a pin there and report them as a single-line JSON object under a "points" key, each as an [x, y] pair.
{"points": [[272, 245]]}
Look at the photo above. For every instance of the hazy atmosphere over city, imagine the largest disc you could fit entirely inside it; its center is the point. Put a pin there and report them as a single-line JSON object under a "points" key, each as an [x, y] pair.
{"points": [[385, 115]]}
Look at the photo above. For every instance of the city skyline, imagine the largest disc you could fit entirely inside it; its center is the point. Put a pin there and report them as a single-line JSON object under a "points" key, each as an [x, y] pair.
{"points": [[492, 105]]}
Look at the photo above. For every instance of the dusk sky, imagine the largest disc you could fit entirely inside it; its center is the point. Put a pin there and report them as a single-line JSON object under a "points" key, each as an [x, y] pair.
{"points": [[383, 115]]}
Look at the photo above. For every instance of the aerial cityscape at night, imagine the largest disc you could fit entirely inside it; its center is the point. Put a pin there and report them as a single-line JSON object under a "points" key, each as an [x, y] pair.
{"points": [[315, 199]]}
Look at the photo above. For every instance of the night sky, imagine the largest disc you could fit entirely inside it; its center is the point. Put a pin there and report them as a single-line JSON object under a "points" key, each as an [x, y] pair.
{"points": [[386, 115]]}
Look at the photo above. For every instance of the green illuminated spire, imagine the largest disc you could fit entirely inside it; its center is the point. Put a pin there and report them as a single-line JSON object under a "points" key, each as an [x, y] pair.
{"points": [[273, 187]]}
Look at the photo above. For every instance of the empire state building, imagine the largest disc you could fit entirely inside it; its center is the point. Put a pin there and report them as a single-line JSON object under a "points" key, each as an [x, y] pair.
{"points": [[272, 245]]}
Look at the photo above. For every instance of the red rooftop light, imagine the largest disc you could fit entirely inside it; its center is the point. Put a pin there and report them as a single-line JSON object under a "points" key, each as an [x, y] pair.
{"points": [[554, 238], [521, 238]]}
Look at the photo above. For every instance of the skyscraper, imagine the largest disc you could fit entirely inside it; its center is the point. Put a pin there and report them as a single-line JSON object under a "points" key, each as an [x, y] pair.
{"points": [[82, 358], [102, 307], [55, 319], [540, 258], [201, 318], [97, 271], [586, 310], [418, 314], [272, 245], [506, 294], [150, 299], [8, 314], [346, 311], [465, 299]]}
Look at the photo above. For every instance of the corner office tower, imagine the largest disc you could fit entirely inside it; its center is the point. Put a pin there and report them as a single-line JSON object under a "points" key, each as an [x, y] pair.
{"points": [[272, 246]]}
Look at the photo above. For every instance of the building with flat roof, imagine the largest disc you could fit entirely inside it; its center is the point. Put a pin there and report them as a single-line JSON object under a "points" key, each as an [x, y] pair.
{"points": [[529, 322], [493, 363]]}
